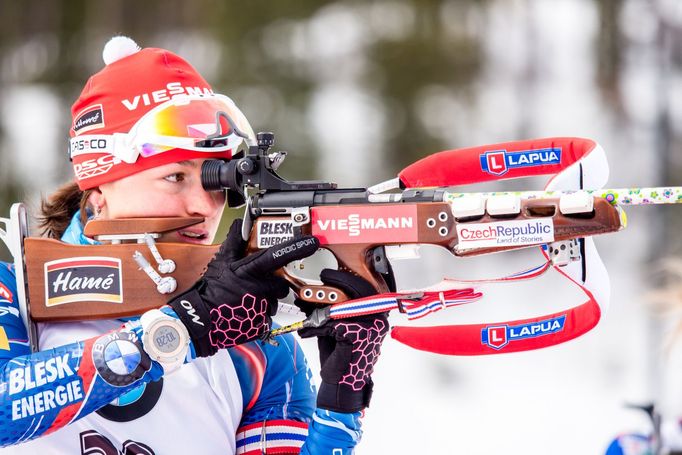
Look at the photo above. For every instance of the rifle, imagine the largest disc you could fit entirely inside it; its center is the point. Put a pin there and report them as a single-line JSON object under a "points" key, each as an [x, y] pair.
{"points": [[364, 228]]}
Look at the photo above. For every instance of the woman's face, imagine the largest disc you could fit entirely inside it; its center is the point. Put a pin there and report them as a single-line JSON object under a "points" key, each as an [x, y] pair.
{"points": [[169, 190]]}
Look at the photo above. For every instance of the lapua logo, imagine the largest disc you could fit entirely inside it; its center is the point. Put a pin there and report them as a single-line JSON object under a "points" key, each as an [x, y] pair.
{"points": [[499, 336], [498, 162], [83, 279], [90, 118]]}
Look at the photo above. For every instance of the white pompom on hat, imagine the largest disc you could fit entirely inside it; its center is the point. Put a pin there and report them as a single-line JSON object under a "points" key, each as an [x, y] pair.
{"points": [[117, 48]]}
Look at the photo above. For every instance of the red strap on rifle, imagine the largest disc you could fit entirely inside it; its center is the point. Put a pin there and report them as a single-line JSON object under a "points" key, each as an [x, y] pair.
{"points": [[573, 163], [497, 162]]}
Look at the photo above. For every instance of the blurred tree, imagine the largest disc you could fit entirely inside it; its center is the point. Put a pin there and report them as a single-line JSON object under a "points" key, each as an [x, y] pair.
{"points": [[609, 50]]}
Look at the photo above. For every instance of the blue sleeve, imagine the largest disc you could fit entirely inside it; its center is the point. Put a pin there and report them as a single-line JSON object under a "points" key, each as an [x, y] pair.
{"points": [[47, 390], [276, 382], [332, 433], [277, 385]]}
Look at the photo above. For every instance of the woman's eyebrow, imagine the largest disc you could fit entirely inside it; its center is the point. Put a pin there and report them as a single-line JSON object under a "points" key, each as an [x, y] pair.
{"points": [[189, 163]]}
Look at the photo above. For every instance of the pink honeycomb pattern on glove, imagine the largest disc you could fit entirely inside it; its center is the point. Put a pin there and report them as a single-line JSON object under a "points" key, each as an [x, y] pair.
{"points": [[233, 325], [366, 342]]}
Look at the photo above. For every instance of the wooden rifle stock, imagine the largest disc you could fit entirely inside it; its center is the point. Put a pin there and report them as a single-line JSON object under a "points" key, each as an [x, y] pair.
{"points": [[82, 282]]}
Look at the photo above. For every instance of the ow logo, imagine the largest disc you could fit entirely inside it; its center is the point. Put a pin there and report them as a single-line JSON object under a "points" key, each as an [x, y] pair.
{"points": [[191, 311]]}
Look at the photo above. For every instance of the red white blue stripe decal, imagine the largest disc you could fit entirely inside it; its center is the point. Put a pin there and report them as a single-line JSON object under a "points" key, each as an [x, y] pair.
{"points": [[272, 437], [415, 305], [419, 303]]}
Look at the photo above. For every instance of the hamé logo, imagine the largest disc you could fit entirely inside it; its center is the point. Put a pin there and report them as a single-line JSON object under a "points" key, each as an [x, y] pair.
{"points": [[83, 279]]}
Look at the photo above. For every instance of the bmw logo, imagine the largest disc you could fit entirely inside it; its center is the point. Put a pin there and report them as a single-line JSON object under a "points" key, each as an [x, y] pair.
{"points": [[119, 359]]}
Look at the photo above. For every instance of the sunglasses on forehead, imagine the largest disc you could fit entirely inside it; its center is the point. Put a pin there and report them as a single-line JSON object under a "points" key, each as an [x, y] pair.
{"points": [[203, 123]]}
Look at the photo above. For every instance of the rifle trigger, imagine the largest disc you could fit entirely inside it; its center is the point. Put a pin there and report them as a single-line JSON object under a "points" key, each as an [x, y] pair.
{"points": [[318, 317], [247, 224]]}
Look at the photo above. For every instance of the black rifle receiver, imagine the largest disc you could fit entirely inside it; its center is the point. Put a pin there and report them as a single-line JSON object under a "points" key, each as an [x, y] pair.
{"points": [[257, 169]]}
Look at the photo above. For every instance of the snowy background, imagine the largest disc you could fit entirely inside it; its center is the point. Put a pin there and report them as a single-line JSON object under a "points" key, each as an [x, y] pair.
{"points": [[357, 90]]}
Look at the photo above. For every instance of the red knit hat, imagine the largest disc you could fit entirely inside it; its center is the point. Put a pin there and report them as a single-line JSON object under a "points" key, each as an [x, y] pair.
{"points": [[132, 83]]}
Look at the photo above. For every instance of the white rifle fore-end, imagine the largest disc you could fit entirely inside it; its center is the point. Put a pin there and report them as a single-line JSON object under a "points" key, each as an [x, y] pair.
{"points": [[503, 204], [490, 222], [467, 206], [578, 202]]}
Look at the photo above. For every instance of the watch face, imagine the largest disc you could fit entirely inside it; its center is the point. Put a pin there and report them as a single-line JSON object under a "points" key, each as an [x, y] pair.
{"points": [[166, 339]]}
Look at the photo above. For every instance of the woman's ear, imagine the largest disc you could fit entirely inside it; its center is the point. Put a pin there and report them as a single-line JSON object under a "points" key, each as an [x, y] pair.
{"points": [[97, 202]]}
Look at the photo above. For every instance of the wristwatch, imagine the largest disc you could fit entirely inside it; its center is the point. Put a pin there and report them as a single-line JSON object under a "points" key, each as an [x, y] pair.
{"points": [[165, 339]]}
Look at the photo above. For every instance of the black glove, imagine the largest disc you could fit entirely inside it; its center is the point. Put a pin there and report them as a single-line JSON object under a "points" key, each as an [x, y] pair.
{"points": [[235, 299], [349, 348]]}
